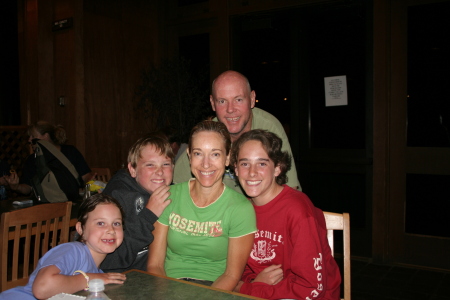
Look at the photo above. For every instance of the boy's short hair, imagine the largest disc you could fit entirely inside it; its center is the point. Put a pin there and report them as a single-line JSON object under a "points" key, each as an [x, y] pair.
{"points": [[161, 144]]}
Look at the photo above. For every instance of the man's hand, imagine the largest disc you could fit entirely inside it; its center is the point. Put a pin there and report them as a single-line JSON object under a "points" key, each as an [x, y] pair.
{"points": [[270, 275], [158, 200]]}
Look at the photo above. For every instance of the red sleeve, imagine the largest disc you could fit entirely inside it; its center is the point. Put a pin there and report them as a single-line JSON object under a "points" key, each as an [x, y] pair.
{"points": [[307, 276], [248, 274]]}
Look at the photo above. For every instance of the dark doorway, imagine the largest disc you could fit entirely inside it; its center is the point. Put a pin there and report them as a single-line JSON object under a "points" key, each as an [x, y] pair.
{"points": [[286, 55], [9, 92]]}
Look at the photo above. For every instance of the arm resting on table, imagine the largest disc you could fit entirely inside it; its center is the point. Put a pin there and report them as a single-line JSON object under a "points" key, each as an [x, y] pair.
{"points": [[157, 250], [238, 252]]}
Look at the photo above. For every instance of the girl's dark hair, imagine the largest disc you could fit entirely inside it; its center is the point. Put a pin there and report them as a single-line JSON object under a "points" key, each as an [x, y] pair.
{"points": [[212, 126], [272, 144], [91, 203]]}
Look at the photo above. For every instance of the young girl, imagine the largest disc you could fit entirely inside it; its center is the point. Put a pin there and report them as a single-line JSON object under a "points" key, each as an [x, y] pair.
{"points": [[291, 257], [68, 267]]}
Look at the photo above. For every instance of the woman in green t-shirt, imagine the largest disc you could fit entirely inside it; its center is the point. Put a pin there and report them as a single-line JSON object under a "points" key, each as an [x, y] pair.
{"points": [[207, 231]]}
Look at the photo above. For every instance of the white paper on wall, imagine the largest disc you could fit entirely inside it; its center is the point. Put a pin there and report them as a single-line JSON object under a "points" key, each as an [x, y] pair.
{"points": [[336, 90]]}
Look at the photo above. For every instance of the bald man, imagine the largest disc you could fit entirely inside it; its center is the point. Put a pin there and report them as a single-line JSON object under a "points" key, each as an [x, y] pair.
{"points": [[233, 100]]}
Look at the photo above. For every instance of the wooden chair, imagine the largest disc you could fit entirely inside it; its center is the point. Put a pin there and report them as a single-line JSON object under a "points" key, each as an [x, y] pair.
{"points": [[335, 221], [30, 232], [103, 174]]}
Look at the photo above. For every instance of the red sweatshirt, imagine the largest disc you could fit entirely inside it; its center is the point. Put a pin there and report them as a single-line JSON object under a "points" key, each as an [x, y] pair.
{"points": [[292, 232]]}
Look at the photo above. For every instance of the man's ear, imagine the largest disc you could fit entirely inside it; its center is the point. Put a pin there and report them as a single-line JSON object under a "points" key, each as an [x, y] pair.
{"points": [[236, 170], [213, 104], [132, 170], [252, 99]]}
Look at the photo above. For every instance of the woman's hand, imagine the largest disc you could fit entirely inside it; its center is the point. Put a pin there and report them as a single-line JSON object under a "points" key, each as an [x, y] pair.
{"points": [[3, 181], [158, 200], [108, 278], [13, 181], [88, 177], [270, 275]]}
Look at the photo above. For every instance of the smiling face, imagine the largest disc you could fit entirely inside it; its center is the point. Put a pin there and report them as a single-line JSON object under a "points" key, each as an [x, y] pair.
{"points": [[208, 158], [103, 231], [153, 169], [257, 173], [232, 100]]}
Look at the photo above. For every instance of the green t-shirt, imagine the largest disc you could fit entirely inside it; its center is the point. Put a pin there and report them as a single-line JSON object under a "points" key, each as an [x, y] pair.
{"points": [[261, 120], [197, 241]]}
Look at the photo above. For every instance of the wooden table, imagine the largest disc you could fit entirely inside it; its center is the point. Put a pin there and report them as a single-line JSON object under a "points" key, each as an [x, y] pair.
{"points": [[144, 285]]}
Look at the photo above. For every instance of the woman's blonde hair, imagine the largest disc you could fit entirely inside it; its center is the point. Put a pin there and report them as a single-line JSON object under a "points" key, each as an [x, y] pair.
{"points": [[56, 133]]}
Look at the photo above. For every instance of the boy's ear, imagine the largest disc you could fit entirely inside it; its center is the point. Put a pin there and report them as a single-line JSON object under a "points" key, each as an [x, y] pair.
{"points": [[132, 170], [277, 170], [236, 170]]}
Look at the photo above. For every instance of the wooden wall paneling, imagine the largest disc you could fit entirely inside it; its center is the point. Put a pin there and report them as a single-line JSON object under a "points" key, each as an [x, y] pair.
{"points": [[45, 57], [29, 58], [381, 75], [118, 45], [397, 123], [65, 86], [64, 73], [78, 79], [101, 89], [250, 6], [220, 40], [21, 27]]}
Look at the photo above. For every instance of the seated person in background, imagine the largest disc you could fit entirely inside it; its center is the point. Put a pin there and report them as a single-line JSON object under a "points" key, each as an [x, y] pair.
{"points": [[178, 147], [142, 191], [63, 268], [207, 231], [57, 136], [291, 257]]}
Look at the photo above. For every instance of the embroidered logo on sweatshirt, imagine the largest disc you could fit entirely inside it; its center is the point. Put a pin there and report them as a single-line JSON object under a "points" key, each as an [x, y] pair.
{"points": [[139, 204], [263, 249], [262, 252]]}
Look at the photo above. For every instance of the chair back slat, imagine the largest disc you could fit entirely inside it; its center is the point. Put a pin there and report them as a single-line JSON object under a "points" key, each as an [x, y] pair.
{"points": [[336, 221], [15, 261], [45, 240], [26, 252], [330, 236], [32, 231]]}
